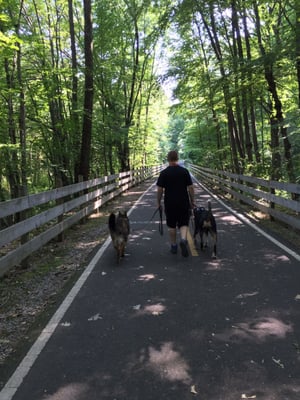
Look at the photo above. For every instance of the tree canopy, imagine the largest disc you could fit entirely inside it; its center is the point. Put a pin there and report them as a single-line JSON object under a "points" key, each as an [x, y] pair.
{"points": [[83, 88]]}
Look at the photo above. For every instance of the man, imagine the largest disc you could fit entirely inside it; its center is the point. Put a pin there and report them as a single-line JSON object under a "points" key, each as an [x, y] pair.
{"points": [[176, 184]]}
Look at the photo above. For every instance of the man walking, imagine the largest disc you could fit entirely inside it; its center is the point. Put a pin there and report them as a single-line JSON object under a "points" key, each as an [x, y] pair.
{"points": [[176, 184]]}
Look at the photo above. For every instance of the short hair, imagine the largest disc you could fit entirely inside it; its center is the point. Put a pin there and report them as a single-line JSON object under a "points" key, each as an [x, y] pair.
{"points": [[173, 155]]}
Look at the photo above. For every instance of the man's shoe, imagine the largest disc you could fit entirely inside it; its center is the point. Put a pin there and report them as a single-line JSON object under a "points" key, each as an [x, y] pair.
{"points": [[184, 249], [174, 248]]}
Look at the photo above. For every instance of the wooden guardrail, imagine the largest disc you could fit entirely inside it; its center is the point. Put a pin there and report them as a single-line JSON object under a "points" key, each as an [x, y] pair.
{"points": [[272, 198], [54, 211]]}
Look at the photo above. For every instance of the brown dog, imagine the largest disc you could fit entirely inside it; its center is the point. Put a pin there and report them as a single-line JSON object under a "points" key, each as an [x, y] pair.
{"points": [[119, 231]]}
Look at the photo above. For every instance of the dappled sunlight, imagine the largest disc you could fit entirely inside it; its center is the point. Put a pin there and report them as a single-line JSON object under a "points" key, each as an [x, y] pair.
{"points": [[149, 309], [146, 277], [275, 257], [155, 309], [96, 215], [135, 235], [168, 364], [257, 330], [231, 220], [217, 264], [72, 391], [82, 245], [145, 203], [132, 193], [214, 265]]}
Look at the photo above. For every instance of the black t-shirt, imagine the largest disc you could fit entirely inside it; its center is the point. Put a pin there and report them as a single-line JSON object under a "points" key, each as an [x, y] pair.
{"points": [[175, 180]]}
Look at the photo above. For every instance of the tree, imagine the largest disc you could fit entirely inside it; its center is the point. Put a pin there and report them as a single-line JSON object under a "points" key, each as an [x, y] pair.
{"points": [[84, 165], [277, 119], [252, 68]]}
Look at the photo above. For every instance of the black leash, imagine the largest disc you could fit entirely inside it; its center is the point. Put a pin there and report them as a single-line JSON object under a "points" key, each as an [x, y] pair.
{"points": [[160, 226]]}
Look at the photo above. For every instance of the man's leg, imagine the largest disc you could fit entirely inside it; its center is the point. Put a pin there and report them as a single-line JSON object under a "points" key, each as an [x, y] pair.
{"points": [[183, 229], [172, 235], [183, 232], [171, 224]]}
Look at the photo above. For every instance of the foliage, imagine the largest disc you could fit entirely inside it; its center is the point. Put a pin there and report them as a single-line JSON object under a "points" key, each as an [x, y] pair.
{"points": [[235, 68], [235, 104]]}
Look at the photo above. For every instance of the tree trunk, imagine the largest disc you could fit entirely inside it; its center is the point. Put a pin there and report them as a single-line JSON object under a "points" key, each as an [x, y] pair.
{"points": [[86, 138], [276, 114], [74, 98], [244, 102], [233, 136], [249, 96], [12, 162], [297, 8]]}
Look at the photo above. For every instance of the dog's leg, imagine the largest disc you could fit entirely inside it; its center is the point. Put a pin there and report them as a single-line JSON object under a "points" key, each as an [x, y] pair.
{"points": [[206, 239], [195, 231], [201, 239], [119, 255], [123, 250], [214, 237]]}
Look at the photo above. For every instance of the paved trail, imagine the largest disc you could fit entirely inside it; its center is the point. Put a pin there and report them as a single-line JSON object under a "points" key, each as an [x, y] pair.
{"points": [[163, 327]]}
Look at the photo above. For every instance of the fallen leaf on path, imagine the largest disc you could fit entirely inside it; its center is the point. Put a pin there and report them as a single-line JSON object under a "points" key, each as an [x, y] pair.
{"points": [[297, 297], [244, 295], [137, 307], [95, 317], [297, 347], [193, 389], [65, 324], [244, 396], [278, 362]]}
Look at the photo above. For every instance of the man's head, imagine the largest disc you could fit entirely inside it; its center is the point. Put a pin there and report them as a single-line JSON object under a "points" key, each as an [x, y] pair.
{"points": [[173, 156]]}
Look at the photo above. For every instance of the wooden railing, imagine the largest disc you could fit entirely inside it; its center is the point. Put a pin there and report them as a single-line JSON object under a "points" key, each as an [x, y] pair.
{"points": [[50, 213], [276, 199]]}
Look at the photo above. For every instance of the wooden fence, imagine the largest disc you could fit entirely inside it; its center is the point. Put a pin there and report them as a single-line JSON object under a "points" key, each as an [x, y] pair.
{"points": [[50, 213], [272, 198]]}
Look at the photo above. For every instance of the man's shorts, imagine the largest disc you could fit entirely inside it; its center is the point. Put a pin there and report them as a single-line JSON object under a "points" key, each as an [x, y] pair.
{"points": [[177, 217]]}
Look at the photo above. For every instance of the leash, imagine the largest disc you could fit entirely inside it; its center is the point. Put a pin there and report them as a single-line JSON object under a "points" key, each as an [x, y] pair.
{"points": [[160, 225], [191, 219]]}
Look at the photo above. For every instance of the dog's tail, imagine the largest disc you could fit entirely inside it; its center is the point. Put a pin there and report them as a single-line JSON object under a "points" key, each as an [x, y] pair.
{"points": [[209, 205], [112, 222]]}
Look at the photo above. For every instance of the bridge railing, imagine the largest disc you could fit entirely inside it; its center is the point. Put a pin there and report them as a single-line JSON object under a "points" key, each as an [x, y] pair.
{"points": [[276, 199], [29, 222]]}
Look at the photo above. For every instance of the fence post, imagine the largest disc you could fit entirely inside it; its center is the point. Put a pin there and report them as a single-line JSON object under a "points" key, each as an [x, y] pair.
{"points": [[58, 184], [24, 238]]}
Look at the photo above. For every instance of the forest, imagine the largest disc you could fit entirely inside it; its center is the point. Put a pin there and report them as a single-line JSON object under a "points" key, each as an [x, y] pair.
{"points": [[93, 88]]}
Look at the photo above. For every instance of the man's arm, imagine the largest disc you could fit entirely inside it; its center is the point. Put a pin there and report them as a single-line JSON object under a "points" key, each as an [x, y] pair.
{"points": [[159, 195], [191, 192]]}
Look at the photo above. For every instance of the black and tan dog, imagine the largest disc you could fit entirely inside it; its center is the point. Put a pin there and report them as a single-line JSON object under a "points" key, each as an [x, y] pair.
{"points": [[119, 231], [205, 224]]}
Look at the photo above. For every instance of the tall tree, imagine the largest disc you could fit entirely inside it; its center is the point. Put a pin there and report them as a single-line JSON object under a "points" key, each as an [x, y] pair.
{"points": [[297, 37], [74, 117], [86, 138], [277, 119]]}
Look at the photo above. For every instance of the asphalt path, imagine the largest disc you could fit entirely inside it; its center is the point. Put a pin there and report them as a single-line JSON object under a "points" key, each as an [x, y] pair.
{"points": [[160, 326]]}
